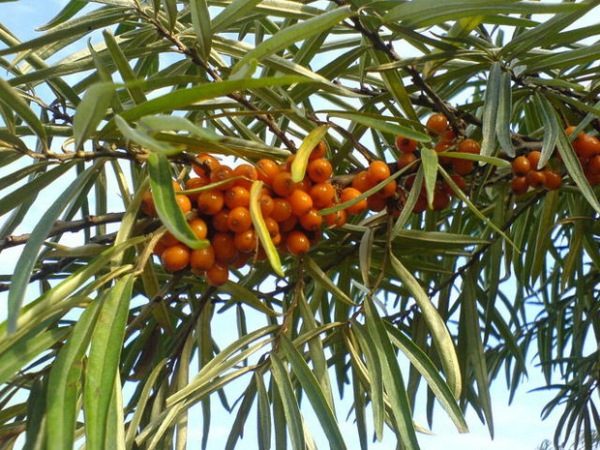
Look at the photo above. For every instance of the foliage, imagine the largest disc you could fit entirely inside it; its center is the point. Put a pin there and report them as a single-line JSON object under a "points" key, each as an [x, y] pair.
{"points": [[389, 310]]}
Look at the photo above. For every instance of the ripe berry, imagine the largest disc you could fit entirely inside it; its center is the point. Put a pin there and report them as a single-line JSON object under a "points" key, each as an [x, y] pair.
{"points": [[519, 185], [319, 170], [168, 240], [220, 174], [463, 166], [282, 210], [586, 146], [594, 165], [210, 202], [406, 145], [362, 182], [376, 203], [266, 169], [535, 178], [185, 204], [199, 228], [217, 275], [205, 164], [406, 159], [224, 247], [534, 158], [521, 165], [148, 207], [246, 241], [388, 190], [441, 200], [248, 172], [469, 146], [552, 180], [202, 259], [322, 194], [288, 224], [220, 221], [311, 221], [175, 258], [351, 193], [297, 243], [239, 219], [301, 202], [266, 204], [237, 196], [319, 151], [272, 227], [437, 123], [196, 182], [336, 219], [378, 171], [282, 184]]}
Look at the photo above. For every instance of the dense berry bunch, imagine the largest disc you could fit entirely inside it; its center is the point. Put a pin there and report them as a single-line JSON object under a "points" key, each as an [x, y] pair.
{"points": [[221, 213], [526, 174], [587, 148]]}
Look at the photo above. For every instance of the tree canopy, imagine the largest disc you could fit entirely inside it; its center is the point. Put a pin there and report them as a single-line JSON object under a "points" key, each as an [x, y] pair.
{"points": [[391, 202]]}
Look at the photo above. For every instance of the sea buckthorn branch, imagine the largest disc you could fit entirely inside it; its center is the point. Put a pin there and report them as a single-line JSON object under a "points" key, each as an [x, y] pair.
{"points": [[193, 56]]}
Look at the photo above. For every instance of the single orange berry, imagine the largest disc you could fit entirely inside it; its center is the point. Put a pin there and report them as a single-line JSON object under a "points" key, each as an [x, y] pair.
{"points": [[322, 194], [519, 185], [237, 196], [175, 258], [282, 184], [587, 146], [441, 200], [301, 202], [362, 182], [221, 174], [266, 205], [406, 145], [336, 219], [552, 180], [351, 193], [406, 159], [272, 226], [448, 136], [205, 164], [378, 171], [199, 228], [388, 190], [311, 221], [319, 151], [266, 169], [220, 221], [196, 182], [297, 243], [224, 247], [437, 123], [376, 203], [217, 275], [210, 202], [159, 247], [202, 259], [534, 158], [288, 224], [184, 202], [246, 241], [239, 219], [319, 170], [594, 165], [282, 210], [535, 178], [147, 206], [463, 166], [168, 240], [247, 171], [521, 165], [469, 146]]}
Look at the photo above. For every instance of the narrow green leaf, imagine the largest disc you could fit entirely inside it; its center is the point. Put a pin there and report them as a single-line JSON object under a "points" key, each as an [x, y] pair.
{"points": [[321, 277], [166, 205], [64, 380], [504, 114], [263, 414], [429, 158], [493, 160], [290, 405], [202, 27], [127, 74], [439, 332], [490, 110], [364, 255], [13, 101], [551, 129], [162, 122], [70, 9], [308, 144], [315, 395], [294, 33], [91, 111], [26, 262], [103, 361], [382, 125], [145, 140], [261, 228], [410, 203], [232, 13]]}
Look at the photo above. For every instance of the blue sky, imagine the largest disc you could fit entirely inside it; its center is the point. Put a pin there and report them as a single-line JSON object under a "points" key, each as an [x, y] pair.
{"points": [[518, 427]]}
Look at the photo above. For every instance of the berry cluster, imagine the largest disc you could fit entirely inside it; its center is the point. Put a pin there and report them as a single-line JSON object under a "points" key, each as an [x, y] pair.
{"points": [[217, 199], [587, 148], [526, 174]]}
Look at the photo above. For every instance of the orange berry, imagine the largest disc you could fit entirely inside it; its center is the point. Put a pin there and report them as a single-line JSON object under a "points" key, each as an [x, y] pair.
{"points": [[220, 221], [388, 190], [297, 243], [376, 203], [199, 228], [351, 193], [519, 185], [336, 219], [184, 202], [319, 170], [287, 165], [469, 146], [276, 239], [378, 171], [266, 169], [463, 166], [168, 240], [147, 206], [224, 247], [311, 221], [282, 184], [220, 174], [175, 258], [301, 202], [594, 165], [196, 182], [210, 202], [448, 136], [441, 200], [570, 129], [406, 145], [246, 241], [362, 182], [305, 184], [319, 151], [245, 170], [552, 180], [535, 178], [534, 158], [205, 164], [239, 219], [237, 196], [406, 159], [202, 259], [217, 275], [272, 226], [288, 224], [521, 165], [586, 146], [159, 247], [266, 204], [282, 210], [322, 194], [437, 123]]}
